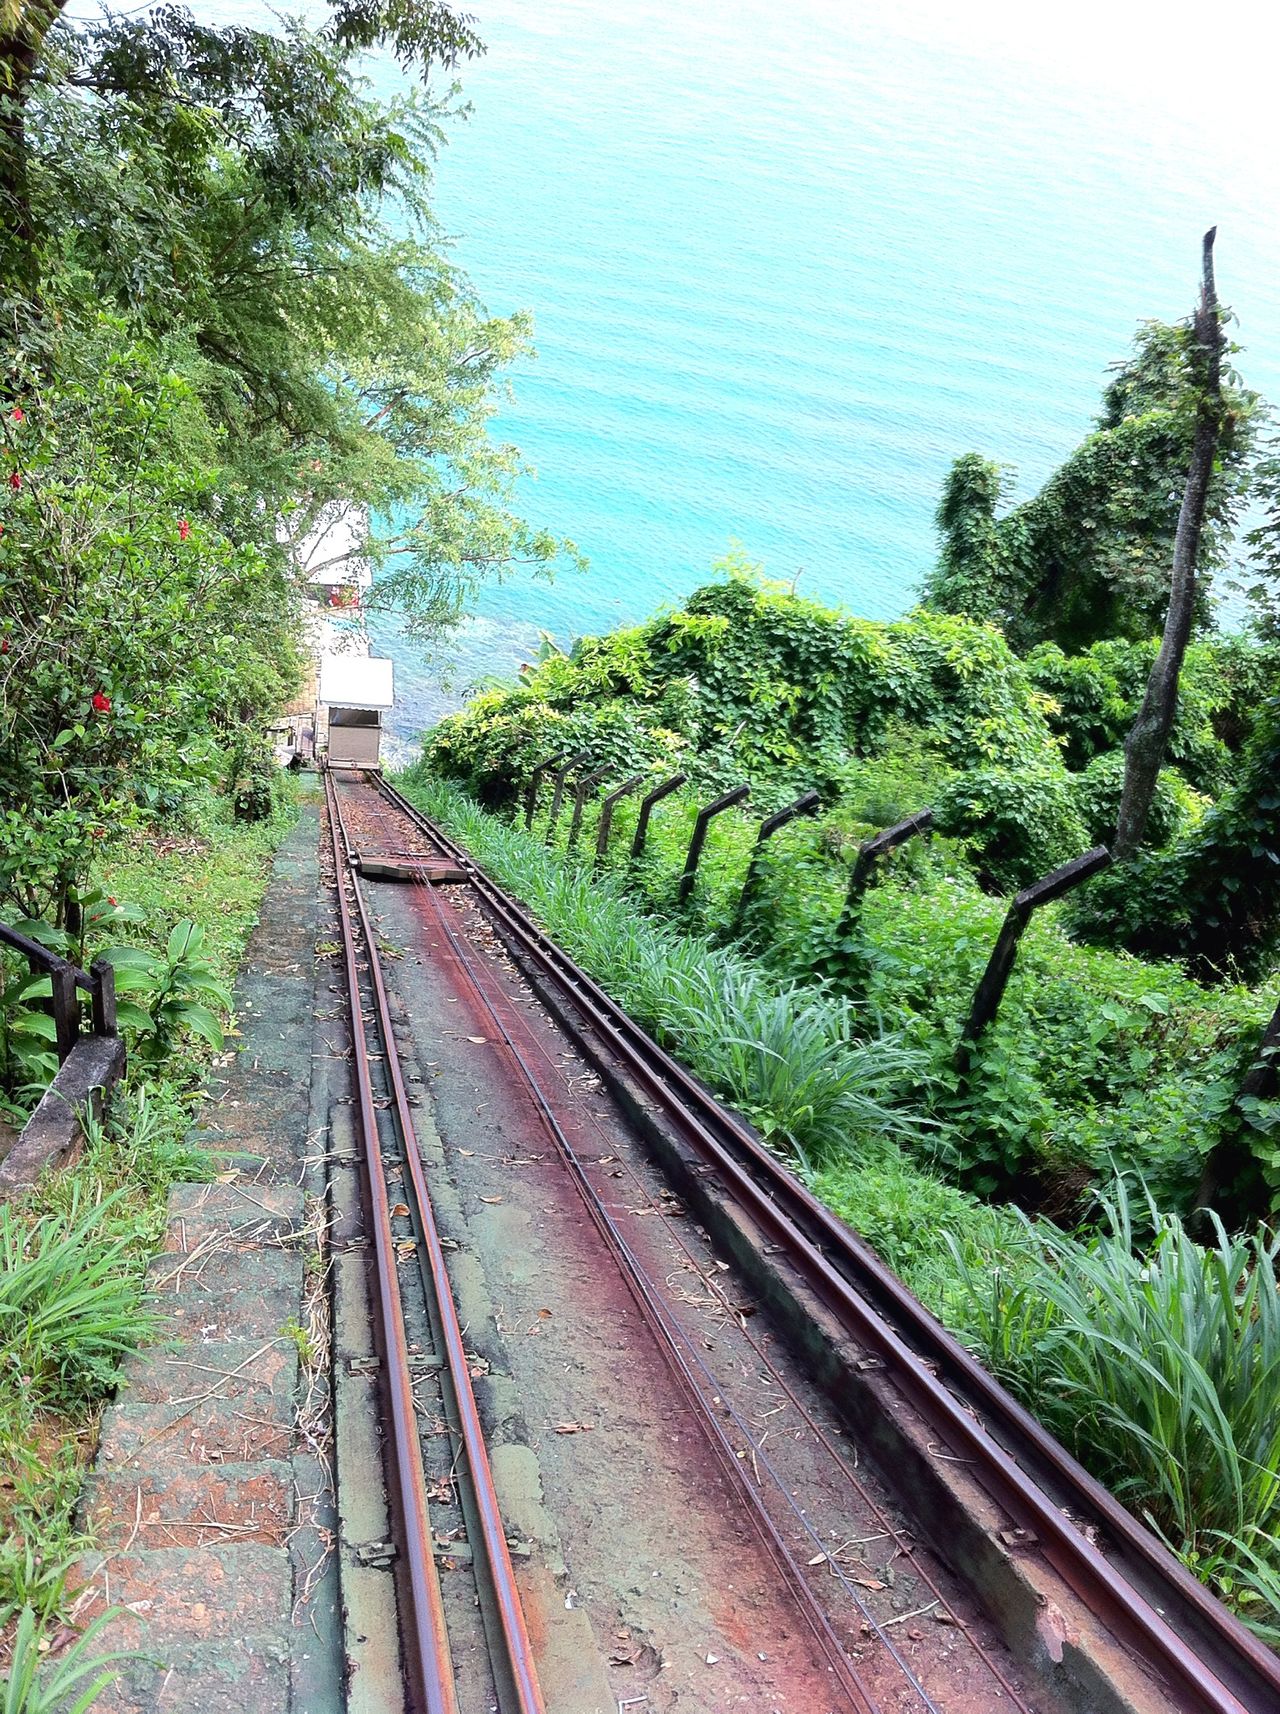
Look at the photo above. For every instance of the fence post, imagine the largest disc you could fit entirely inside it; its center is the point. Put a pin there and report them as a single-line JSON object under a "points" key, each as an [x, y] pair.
{"points": [[606, 813], [705, 816], [579, 799], [562, 773], [104, 998], [646, 810], [806, 804], [66, 1008], [535, 780], [995, 978], [868, 852]]}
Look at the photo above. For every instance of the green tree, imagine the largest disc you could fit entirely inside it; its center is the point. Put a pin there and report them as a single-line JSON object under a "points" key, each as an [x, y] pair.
{"points": [[138, 635], [1089, 556], [241, 191]]}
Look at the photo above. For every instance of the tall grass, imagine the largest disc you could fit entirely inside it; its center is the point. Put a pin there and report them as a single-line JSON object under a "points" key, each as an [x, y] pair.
{"points": [[68, 1302], [1157, 1360], [66, 1683], [808, 1067]]}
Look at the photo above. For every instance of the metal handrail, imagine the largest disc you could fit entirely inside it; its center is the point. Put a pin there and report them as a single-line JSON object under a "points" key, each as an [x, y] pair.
{"points": [[67, 979]]}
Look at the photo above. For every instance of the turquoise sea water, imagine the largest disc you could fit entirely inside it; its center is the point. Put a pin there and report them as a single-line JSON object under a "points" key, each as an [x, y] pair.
{"points": [[786, 263]]}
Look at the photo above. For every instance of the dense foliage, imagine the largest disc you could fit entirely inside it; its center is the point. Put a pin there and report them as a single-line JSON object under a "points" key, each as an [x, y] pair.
{"points": [[228, 320], [1089, 557], [1096, 1056]]}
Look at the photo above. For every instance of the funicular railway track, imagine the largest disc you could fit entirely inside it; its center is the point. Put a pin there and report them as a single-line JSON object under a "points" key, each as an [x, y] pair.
{"points": [[387, 1132], [1201, 1659]]}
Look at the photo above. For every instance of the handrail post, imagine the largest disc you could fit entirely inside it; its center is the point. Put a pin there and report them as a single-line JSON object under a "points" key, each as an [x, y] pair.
{"points": [[868, 853], [66, 1008], [700, 826], [606, 813], [562, 773], [995, 978], [647, 804], [808, 803], [579, 799], [104, 998]]}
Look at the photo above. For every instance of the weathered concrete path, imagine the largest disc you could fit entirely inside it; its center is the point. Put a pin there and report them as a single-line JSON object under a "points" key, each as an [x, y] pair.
{"points": [[211, 1498]]}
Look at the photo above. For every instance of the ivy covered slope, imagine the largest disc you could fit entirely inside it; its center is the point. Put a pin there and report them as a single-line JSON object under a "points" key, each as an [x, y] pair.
{"points": [[1098, 1057]]}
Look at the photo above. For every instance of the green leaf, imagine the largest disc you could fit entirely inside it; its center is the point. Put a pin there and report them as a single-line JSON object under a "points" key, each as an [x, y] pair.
{"points": [[201, 1021], [34, 1024], [132, 1016]]}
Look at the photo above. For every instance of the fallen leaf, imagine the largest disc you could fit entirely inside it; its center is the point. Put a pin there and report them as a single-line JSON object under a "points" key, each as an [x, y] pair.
{"points": [[574, 1427], [491, 1199], [400, 1208], [478, 1038], [407, 1246]]}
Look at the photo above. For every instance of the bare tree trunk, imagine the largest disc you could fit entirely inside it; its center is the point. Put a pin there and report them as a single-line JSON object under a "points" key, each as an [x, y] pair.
{"points": [[1144, 748]]}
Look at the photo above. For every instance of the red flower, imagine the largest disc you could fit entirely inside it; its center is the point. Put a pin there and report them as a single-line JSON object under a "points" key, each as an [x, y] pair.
{"points": [[1, 529], [184, 530], [15, 479], [101, 703], [97, 833], [4, 645], [18, 415], [111, 901]]}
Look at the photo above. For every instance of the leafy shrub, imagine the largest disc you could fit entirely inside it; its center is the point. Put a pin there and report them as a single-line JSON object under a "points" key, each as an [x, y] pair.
{"points": [[68, 1682], [68, 1303], [1098, 789], [751, 680], [1094, 698], [1018, 824], [173, 992], [1214, 897]]}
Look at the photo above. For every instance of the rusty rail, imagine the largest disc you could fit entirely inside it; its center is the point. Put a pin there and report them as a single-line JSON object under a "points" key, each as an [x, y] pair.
{"points": [[1137, 1587], [427, 1627]]}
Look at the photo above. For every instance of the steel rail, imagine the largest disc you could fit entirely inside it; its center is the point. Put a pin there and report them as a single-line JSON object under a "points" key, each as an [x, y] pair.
{"points": [[670, 1337], [514, 1637], [423, 1630], [839, 1460], [1244, 1676]]}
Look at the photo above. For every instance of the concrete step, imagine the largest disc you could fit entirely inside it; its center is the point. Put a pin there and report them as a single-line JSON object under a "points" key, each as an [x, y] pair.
{"points": [[180, 1435], [210, 1627], [228, 1296], [202, 1216], [265, 1376], [158, 1506]]}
